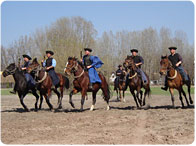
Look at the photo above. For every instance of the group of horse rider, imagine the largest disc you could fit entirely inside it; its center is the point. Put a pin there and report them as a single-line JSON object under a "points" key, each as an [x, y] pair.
{"points": [[91, 62], [174, 58]]}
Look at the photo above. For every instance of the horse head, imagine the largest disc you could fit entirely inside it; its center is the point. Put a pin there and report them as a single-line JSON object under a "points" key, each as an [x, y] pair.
{"points": [[10, 70], [165, 64], [33, 66], [129, 63], [71, 65]]}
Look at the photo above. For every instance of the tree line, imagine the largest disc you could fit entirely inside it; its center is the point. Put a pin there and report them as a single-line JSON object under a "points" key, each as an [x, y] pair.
{"points": [[68, 36]]}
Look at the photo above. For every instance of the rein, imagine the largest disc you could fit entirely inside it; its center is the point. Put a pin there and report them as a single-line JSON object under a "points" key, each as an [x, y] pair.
{"points": [[45, 75], [79, 74], [11, 72], [173, 76], [76, 68], [133, 76], [37, 73]]}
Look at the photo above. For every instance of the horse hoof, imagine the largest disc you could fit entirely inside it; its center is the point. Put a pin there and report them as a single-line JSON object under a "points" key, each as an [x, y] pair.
{"points": [[92, 107], [108, 108], [27, 110], [60, 107]]}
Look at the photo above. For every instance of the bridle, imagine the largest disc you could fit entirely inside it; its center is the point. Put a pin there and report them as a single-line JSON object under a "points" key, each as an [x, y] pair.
{"points": [[12, 71], [36, 70], [75, 67], [168, 69]]}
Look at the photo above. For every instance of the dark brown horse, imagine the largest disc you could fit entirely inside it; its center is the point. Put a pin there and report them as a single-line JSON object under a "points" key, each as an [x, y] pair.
{"points": [[135, 82], [21, 85], [45, 84], [174, 80], [81, 83], [119, 86]]}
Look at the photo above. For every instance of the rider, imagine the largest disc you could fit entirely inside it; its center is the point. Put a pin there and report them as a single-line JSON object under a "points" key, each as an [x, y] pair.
{"points": [[90, 63], [29, 78], [50, 64], [176, 61], [138, 60], [118, 74]]}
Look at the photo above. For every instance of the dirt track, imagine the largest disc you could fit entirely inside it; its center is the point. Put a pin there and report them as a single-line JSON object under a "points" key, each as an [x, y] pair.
{"points": [[123, 124]]}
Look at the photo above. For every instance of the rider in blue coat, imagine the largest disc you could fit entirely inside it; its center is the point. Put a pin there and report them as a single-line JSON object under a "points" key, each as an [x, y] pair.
{"points": [[91, 63]]}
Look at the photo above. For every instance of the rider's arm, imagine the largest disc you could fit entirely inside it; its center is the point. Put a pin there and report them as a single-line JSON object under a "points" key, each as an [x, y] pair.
{"points": [[180, 60], [141, 61], [44, 63]]}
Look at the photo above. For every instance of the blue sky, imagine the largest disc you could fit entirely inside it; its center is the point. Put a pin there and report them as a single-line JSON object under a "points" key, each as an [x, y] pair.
{"points": [[23, 18]]}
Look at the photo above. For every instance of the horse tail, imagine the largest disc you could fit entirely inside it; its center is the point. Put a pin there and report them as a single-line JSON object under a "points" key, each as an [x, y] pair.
{"points": [[106, 91], [66, 82]]}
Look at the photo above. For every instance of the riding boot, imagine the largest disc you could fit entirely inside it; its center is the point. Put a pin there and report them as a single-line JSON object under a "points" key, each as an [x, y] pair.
{"points": [[13, 91]]}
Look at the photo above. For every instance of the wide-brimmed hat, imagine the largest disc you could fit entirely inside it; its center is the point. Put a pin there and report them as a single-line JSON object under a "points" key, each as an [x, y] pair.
{"points": [[88, 49], [172, 48], [134, 50], [26, 56], [50, 52]]}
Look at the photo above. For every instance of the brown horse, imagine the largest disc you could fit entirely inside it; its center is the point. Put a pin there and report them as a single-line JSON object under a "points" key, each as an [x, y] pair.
{"points": [[119, 86], [45, 84], [174, 81], [135, 82], [81, 83]]}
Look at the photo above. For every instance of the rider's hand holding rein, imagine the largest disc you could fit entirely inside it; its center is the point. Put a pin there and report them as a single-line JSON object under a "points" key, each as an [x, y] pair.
{"points": [[177, 64], [89, 66]]}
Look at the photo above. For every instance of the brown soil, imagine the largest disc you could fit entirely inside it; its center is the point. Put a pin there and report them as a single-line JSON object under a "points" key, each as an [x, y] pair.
{"points": [[123, 124]]}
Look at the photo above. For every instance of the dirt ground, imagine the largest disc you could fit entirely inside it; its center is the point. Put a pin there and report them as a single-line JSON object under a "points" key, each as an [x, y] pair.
{"points": [[123, 124]]}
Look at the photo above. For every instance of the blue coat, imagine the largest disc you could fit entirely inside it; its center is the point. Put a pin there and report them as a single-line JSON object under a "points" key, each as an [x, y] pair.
{"points": [[96, 63]]}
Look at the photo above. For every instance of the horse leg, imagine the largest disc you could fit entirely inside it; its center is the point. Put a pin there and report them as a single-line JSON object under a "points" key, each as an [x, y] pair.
{"points": [[180, 96], [41, 100], [82, 99], [48, 99], [21, 101], [132, 92], [61, 89], [172, 95], [94, 100], [184, 94], [137, 95], [37, 98], [106, 92], [74, 91], [189, 91], [117, 95], [59, 98], [124, 96]]}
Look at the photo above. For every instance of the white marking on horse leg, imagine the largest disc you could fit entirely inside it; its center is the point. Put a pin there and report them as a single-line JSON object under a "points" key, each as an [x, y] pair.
{"points": [[92, 107], [108, 107]]}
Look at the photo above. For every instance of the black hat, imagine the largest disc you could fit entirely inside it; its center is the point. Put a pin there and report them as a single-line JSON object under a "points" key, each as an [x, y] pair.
{"points": [[120, 66], [50, 52], [174, 48], [134, 50], [26, 56], [88, 49]]}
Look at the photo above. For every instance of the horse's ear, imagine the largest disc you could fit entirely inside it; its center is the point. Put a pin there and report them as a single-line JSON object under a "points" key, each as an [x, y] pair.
{"points": [[35, 59]]}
